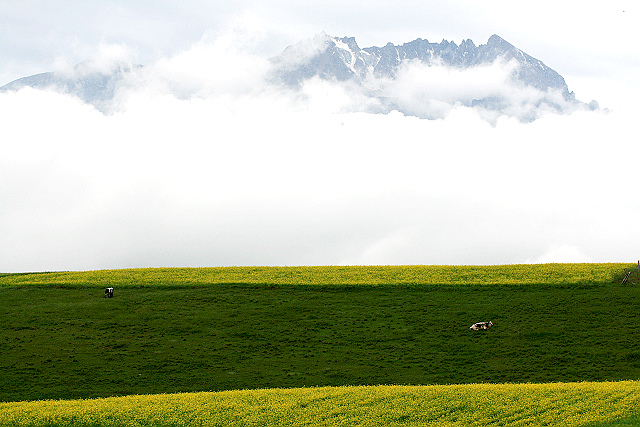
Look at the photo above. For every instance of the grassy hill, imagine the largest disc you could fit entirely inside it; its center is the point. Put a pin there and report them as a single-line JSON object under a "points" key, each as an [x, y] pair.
{"points": [[573, 404], [188, 330], [518, 274]]}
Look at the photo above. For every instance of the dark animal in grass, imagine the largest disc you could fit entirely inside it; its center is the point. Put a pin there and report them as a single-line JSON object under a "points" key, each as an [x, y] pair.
{"points": [[481, 325]]}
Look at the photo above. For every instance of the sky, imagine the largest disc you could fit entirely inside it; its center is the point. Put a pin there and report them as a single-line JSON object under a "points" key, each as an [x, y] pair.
{"points": [[204, 165]]}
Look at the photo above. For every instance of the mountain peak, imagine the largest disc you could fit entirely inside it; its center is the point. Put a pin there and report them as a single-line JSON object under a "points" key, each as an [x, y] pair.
{"points": [[371, 68], [496, 39], [497, 42], [351, 43], [467, 43], [349, 61], [342, 59]]}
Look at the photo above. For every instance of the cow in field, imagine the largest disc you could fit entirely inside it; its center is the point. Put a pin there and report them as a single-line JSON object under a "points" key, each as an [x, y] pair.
{"points": [[481, 325]]}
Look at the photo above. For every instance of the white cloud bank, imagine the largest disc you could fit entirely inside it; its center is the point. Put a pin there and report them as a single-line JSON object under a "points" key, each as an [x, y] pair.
{"points": [[561, 253], [432, 92], [205, 165]]}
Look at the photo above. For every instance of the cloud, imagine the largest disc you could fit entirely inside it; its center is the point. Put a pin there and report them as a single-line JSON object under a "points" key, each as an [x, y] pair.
{"points": [[433, 91], [419, 86], [106, 58], [207, 165], [562, 253]]}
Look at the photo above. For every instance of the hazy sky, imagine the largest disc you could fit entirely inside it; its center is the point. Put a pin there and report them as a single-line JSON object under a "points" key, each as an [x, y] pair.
{"points": [[203, 166]]}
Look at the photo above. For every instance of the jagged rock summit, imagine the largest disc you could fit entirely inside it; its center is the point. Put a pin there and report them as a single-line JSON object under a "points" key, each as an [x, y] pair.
{"points": [[342, 59], [528, 89]]}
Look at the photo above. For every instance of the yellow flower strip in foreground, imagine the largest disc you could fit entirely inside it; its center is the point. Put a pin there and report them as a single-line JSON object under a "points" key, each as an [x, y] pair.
{"points": [[519, 274], [567, 404]]}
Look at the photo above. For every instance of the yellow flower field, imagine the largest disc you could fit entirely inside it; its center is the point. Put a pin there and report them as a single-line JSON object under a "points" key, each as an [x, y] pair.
{"points": [[555, 404], [517, 274]]}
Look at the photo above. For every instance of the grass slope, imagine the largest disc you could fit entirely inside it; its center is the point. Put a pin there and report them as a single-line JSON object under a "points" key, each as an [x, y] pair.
{"points": [[61, 339], [519, 274], [574, 404]]}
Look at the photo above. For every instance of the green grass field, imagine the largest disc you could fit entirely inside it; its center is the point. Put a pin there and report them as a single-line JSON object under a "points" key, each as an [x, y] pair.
{"points": [[193, 330]]}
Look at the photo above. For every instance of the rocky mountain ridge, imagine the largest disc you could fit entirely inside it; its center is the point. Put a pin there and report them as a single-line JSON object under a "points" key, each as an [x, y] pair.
{"points": [[94, 85], [530, 89], [343, 59]]}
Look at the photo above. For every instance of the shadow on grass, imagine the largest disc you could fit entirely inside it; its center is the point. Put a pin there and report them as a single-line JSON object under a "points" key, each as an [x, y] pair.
{"points": [[622, 422]]}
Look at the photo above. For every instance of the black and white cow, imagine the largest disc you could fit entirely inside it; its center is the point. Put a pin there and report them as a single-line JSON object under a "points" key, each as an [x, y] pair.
{"points": [[481, 325]]}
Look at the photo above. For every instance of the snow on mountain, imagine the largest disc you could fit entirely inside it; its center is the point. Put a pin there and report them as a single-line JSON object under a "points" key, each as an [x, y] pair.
{"points": [[342, 58], [416, 78]]}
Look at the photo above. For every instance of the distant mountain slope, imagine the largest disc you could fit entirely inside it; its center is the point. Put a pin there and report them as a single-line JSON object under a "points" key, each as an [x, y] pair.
{"points": [[94, 85], [343, 59], [389, 78], [530, 88]]}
